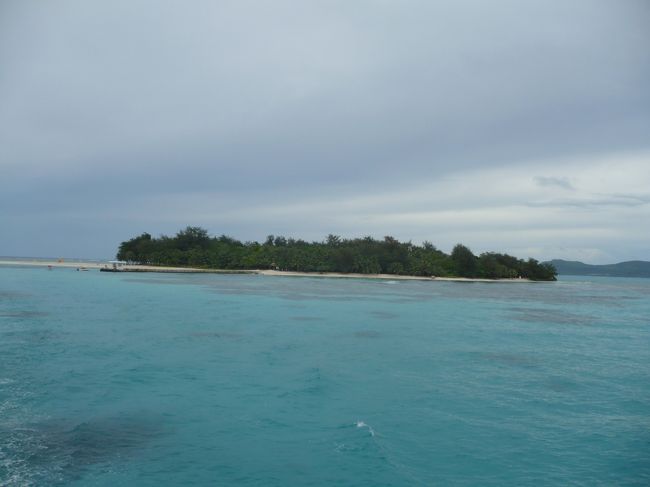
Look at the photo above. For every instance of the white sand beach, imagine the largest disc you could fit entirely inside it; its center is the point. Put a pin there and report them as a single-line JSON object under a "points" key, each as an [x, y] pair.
{"points": [[263, 272], [52, 263], [392, 277], [106, 265]]}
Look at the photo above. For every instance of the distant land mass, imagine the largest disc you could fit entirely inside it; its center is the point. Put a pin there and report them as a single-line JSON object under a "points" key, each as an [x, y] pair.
{"points": [[631, 268], [193, 247]]}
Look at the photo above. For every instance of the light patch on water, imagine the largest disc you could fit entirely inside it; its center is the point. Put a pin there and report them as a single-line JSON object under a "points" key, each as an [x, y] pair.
{"points": [[361, 424]]}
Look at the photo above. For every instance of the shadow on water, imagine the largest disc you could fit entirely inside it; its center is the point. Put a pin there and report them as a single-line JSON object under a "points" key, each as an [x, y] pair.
{"points": [[215, 334], [384, 315], [60, 451], [560, 385], [551, 316], [367, 334], [307, 384], [24, 314], [32, 336], [510, 359], [11, 295]]}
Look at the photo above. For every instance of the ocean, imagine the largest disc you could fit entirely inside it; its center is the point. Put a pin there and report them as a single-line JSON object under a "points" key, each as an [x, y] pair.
{"points": [[162, 379]]}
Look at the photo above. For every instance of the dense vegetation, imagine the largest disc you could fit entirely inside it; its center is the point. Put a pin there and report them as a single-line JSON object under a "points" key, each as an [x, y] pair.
{"points": [[194, 247]]}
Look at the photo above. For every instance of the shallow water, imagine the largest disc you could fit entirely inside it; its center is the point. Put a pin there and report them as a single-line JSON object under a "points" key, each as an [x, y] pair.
{"points": [[114, 379]]}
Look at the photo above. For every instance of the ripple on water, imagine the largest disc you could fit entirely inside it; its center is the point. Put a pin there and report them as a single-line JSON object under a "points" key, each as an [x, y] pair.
{"points": [[510, 358], [560, 384], [216, 334]]}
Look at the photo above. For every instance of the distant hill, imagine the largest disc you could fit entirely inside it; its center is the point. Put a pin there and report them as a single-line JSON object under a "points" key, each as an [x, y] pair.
{"points": [[632, 268]]}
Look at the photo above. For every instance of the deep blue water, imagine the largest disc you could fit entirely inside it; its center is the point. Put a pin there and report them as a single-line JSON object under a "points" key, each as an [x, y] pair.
{"points": [[151, 379]]}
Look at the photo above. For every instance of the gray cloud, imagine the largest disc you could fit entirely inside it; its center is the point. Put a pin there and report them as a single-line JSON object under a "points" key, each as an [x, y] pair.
{"points": [[563, 183], [589, 202], [107, 105]]}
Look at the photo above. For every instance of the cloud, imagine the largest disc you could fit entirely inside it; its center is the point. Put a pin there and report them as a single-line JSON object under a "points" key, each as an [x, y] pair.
{"points": [[592, 202], [553, 181], [309, 118], [474, 207]]}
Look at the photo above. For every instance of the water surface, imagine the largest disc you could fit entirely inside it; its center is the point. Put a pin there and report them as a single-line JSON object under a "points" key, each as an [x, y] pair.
{"points": [[151, 379]]}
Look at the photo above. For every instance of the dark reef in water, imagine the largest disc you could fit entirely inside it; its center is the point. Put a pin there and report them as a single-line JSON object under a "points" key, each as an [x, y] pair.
{"points": [[62, 449]]}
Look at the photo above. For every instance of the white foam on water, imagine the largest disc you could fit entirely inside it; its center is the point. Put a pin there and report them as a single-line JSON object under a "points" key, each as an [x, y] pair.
{"points": [[361, 424]]}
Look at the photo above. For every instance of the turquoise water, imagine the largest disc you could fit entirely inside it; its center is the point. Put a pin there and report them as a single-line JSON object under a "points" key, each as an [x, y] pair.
{"points": [[152, 379]]}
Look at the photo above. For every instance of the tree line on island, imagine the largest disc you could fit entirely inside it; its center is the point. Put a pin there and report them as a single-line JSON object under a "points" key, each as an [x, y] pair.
{"points": [[193, 247]]}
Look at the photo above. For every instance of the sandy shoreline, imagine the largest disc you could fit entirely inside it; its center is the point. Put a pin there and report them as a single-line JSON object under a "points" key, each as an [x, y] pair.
{"points": [[52, 263], [125, 268], [263, 272], [392, 277]]}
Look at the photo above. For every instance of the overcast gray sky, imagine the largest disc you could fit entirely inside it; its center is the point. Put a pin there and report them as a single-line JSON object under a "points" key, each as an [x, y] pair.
{"points": [[506, 125]]}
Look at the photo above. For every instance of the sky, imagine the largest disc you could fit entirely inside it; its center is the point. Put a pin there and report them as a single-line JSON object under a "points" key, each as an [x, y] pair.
{"points": [[510, 126]]}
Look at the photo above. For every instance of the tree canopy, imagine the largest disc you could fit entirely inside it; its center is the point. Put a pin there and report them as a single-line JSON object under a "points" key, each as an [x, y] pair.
{"points": [[194, 247]]}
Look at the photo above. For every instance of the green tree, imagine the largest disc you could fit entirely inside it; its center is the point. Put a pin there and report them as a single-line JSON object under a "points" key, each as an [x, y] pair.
{"points": [[192, 246], [192, 237], [464, 261], [137, 249]]}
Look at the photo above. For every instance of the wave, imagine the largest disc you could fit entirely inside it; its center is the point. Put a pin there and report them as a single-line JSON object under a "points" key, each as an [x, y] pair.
{"points": [[361, 424]]}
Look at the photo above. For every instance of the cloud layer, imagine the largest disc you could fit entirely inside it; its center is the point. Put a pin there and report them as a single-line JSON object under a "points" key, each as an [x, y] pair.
{"points": [[522, 127]]}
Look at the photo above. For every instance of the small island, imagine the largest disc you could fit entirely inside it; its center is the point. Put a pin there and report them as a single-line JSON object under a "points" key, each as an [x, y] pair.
{"points": [[193, 247]]}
